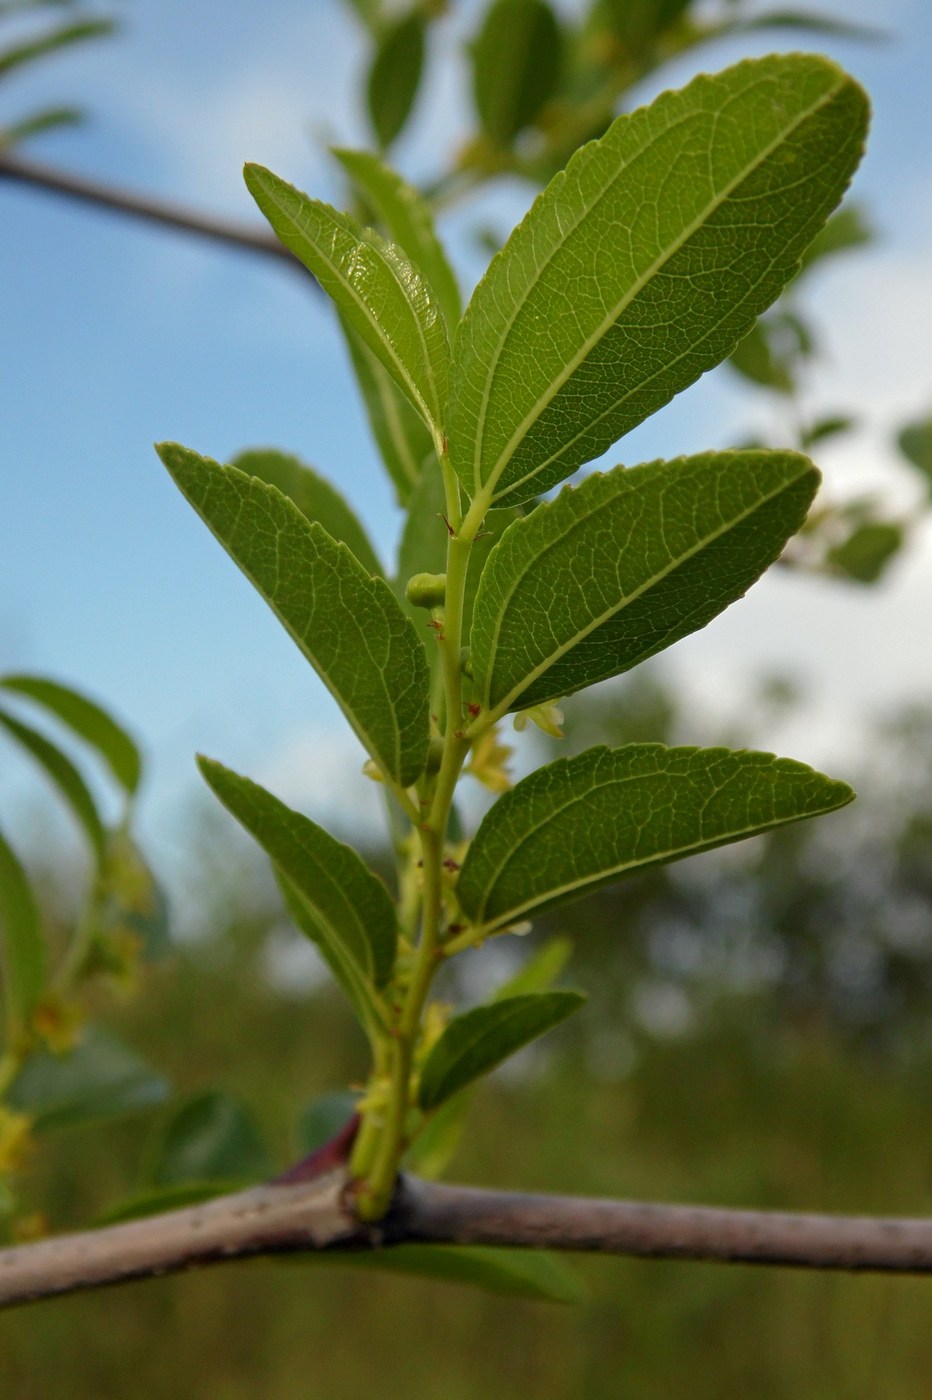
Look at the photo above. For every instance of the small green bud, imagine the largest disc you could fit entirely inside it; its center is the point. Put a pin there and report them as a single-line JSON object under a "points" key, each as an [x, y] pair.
{"points": [[426, 590], [435, 754], [465, 662]]}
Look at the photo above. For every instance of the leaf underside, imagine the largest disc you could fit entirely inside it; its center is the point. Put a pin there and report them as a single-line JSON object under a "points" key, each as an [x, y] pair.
{"points": [[614, 570], [586, 821], [347, 624], [643, 264]]}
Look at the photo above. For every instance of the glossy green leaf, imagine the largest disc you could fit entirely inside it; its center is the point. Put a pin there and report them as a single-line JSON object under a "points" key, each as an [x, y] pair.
{"points": [[64, 775], [376, 288], [213, 1137], [101, 1078], [616, 569], [315, 498], [586, 821], [22, 948], [348, 624], [403, 438], [516, 1273], [395, 76], [867, 551], [540, 971], [408, 221], [358, 990], [516, 62], [474, 1043], [915, 443], [52, 41], [352, 909], [86, 719], [643, 264]]}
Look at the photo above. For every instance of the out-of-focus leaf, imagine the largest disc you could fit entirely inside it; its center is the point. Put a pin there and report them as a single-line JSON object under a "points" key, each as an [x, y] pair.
{"points": [[354, 912], [516, 62], [830, 426], [436, 1142], [867, 551], [48, 119], [637, 23], [211, 1138], [754, 358], [348, 624], [474, 1043], [357, 989], [403, 438], [100, 1078], [66, 778], [377, 289], [408, 221], [587, 821], [322, 1119], [848, 228], [517, 1273], [22, 948], [395, 76], [91, 723], [829, 25], [315, 498], [63, 37], [539, 972], [915, 443], [630, 561]]}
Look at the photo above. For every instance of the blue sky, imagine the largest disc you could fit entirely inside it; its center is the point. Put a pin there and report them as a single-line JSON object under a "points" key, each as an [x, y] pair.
{"points": [[114, 336]]}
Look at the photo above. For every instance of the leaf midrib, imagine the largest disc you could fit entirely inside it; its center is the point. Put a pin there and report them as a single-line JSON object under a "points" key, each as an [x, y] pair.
{"points": [[556, 385], [505, 704]]}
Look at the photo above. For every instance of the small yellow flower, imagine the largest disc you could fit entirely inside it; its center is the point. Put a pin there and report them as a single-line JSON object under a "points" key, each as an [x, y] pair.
{"points": [[15, 1140], [58, 1023], [488, 761], [546, 717]]}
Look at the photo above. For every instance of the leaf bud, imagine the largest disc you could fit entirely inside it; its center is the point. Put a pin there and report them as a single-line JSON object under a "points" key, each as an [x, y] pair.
{"points": [[426, 590]]}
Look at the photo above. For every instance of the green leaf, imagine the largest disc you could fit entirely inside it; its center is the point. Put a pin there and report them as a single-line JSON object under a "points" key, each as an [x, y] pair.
{"points": [[378, 290], [516, 61], [359, 992], [915, 443], [63, 37], [66, 778], [829, 25], [616, 569], [47, 119], [643, 264], [830, 426], [322, 1119], [758, 359], [637, 23], [517, 1273], [846, 229], [315, 498], [99, 1079], [91, 723], [586, 821], [540, 971], [211, 1138], [867, 551], [352, 909], [437, 1140], [23, 960], [402, 436], [348, 624], [408, 221], [395, 76], [474, 1043]]}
